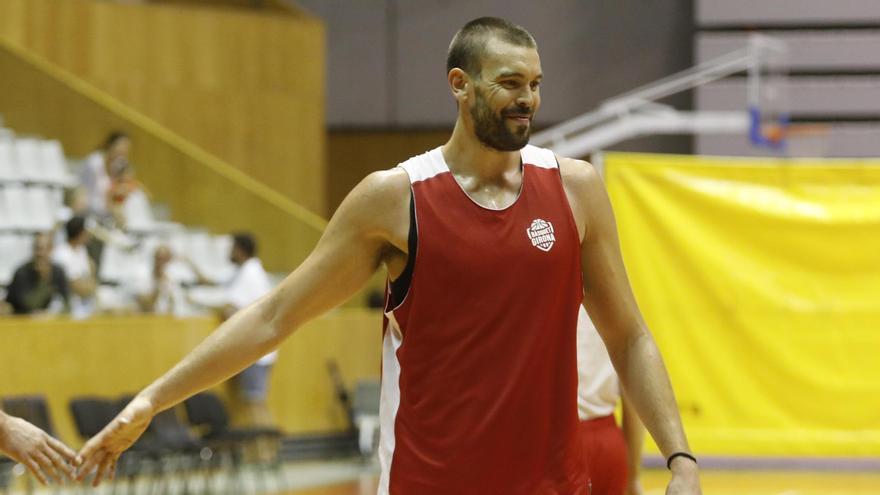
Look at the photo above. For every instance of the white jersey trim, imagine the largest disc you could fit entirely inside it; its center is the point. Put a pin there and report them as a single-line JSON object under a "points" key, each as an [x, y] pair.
{"points": [[539, 157], [424, 166], [389, 400], [431, 163]]}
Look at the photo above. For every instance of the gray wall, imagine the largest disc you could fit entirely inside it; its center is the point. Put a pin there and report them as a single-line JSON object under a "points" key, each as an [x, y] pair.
{"points": [[832, 91], [714, 13], [387, 57]]}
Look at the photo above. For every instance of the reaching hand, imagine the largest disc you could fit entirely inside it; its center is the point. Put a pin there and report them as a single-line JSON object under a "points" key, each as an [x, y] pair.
{"points": [[102, 451], [44, 456]]}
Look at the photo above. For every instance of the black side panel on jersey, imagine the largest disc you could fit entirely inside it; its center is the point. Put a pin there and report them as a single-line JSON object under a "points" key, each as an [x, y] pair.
{"points": [[400, 286]]}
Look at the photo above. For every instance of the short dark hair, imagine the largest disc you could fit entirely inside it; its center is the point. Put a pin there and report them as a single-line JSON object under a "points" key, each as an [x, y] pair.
{"points": [[469, 43], [112, 139], [75, 226], [246, 242]]}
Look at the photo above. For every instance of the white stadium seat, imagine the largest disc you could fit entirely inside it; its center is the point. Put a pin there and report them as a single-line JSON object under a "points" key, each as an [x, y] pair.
{"points": [[16, 249], [54, 163], [8, 160]]}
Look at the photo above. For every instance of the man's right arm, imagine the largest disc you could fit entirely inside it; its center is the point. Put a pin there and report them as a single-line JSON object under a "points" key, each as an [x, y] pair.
{"points": [[366, 225]]}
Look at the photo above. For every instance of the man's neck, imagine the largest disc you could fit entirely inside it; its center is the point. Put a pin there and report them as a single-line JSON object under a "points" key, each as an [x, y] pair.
{"points": [[468, 156]]}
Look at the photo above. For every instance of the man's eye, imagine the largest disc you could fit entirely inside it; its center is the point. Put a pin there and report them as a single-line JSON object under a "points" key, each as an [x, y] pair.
{"points": [[536, 85], [509, 84]]}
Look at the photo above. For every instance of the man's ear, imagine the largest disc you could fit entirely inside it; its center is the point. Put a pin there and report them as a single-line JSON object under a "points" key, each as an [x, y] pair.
{"points": [[459, 83]]}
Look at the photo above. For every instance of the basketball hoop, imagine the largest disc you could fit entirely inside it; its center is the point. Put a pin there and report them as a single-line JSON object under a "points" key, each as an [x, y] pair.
{"points": [[767, 86], [795, 139]]}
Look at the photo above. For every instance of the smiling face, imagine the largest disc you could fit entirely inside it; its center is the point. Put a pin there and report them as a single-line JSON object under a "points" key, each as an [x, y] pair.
{"points": [[506, 95]]}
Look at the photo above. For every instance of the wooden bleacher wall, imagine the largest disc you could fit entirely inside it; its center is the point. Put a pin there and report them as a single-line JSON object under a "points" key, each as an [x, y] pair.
{"points": [[225, 109], [246, 86], [111, 356], [223, 113]]}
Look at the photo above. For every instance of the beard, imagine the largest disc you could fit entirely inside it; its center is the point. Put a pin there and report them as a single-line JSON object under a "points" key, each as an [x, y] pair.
{"points": [[492, 130]]}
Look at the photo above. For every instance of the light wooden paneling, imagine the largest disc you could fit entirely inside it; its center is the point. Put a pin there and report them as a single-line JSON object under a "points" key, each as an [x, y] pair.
{"points": [[108, 357], [199, 188], [352, 155], [246, 86]]}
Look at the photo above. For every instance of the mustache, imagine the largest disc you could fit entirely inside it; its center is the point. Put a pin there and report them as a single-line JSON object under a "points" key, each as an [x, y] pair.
{"points": [[519, 112]]}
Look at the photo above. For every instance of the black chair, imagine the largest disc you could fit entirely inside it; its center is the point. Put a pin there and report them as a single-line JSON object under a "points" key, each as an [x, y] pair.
{"points": [[6, 476], [173, 442], [90, 416], [32, 408], [207, 412]]}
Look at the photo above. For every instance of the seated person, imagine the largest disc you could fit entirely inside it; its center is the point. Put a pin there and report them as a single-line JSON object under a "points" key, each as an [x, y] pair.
{"points": [[95, 173], [78, 267], [123, 185], [39, 286], [161, 292], [250, 388]]}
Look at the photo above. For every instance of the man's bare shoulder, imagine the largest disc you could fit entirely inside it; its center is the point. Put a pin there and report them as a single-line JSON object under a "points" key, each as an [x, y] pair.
{"points": [[578, 175], [583, 186], [381, 190], [378, 205], [394, 181]]}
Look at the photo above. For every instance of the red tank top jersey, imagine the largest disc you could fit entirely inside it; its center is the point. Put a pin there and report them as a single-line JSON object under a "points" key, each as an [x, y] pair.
{"points": [[479, 382]]}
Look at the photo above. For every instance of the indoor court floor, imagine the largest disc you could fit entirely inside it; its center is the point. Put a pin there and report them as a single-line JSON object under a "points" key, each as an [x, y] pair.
{"points": [[714, 483]]}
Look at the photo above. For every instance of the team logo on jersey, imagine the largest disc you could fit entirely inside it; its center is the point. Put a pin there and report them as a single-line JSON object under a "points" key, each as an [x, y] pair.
{"points": [[541, 234]]}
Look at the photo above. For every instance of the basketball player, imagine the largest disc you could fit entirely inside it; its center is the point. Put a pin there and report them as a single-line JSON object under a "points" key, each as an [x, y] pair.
{"points": [[613, 455], [45, 457], [490, 246]]}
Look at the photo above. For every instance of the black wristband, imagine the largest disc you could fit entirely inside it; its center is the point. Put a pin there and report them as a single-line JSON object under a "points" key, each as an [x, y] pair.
{"points": [[679, 454]]}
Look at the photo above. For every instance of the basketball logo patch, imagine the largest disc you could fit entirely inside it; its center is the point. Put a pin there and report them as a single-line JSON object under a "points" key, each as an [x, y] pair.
{"points": [[541, 234]]}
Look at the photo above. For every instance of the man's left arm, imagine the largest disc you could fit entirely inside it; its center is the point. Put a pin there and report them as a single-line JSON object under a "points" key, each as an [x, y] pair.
{"points": [[610, 302], [634, 436]]}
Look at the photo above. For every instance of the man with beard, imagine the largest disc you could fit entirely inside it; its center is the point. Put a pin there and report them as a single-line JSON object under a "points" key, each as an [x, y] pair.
{"points": [[490, 246]]}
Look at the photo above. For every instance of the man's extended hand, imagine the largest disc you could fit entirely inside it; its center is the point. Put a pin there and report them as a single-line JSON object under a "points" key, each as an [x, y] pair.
{"points": [[45, 457], [102, 451], [685, 478]]}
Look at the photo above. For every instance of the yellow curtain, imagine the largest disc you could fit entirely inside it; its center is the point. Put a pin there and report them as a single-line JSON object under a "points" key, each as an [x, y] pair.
{"points": [[760, 280]]}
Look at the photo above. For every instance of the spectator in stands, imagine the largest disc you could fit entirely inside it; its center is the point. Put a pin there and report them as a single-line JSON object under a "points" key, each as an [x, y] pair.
{"points": [[123, 184], [162, 293], [78, 267], [95, 174], [39, 286], [249, 283], [76, 203]]}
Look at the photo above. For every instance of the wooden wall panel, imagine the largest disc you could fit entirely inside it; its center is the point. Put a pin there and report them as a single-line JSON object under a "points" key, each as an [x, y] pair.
{"points": [[352, 155], [199, 188], [62, 359], [246, 86]]}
